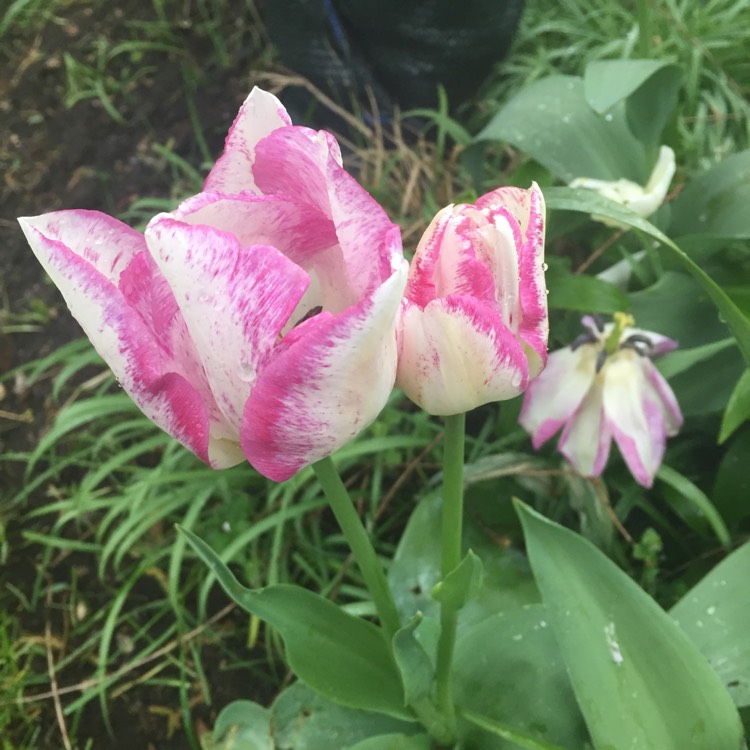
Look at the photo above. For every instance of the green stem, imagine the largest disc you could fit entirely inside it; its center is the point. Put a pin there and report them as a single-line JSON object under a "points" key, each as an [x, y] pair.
{"points": [[644, 28], [360, 544], [452, 524]]}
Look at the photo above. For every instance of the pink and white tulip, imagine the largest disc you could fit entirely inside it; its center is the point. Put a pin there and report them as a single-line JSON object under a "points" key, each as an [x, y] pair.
{"points": [[604, 386], [259, 318], [474, 318]]}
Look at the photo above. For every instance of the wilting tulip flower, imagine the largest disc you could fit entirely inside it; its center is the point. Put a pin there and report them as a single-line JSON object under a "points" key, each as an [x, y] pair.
{"points": [[259, 318], [642, 200], [474, 318], [605, 386]]}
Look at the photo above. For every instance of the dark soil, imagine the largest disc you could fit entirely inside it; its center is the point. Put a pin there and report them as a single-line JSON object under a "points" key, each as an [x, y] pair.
{"points": [[56, 156]]}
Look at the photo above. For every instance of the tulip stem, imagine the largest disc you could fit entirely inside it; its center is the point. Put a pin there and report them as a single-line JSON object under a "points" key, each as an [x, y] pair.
{"points": [[452, 525], [359, 542], [644, 28]]}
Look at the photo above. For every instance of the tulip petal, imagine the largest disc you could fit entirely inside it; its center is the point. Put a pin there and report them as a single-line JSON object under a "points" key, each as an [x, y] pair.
{"points": [[87, 254], [261, 114], [327, 386], [305, 166], [525, 209], [586, 439], [554, 396], [635, 419], [235, 302], [457, 354], [660, 392]]}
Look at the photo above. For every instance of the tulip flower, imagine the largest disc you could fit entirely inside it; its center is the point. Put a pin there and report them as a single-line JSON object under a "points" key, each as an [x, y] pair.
{"points": [[642, 200], [259, 318], [604, 386], [474, 319]]}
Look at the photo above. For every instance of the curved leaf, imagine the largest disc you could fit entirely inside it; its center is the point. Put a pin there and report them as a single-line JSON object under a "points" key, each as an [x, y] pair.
{"points": [[638, 678], [588, 201], [551, 121], [342, 657], [715, 615]]}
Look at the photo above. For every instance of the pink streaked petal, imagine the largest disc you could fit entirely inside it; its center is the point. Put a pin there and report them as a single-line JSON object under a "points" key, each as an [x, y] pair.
{"points": [[105, 243], [661, 393], [554, 396], [330, 384], [456, 256], [361, 224], [261, 114], [637, 423], [586, 439], [296, 229], [421, 287], [293, 162], [128, 346], [457, 354], [235, 302]]}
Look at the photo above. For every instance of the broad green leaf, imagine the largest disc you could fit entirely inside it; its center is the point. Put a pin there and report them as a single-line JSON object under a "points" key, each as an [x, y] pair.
{"points": [[715, 614], [585, 294], [607, 82], [395, 742], [651, 105], [415, 569], [508, 668], [303, 720], [551, 121], [461, 584], [715, 203], [622, 650], [242, 725], [340, 656], [738, 408], [588, 201]]}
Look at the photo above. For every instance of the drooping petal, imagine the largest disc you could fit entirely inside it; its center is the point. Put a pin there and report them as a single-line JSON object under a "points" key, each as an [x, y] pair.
{"points": [[261, 114], [325, 387], [235, 301], [86, 254], [586, 439], [636, 421], [659, 391], [457, 354], [554, 396]]}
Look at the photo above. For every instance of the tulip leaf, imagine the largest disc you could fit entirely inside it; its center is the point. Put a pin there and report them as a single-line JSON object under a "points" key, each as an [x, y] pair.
{"points": [[607, 82], [394, 742], [415, 569], [461, 584], [732, 486], [715, 614], [508, 669], [715, 203], [585, 294], [519, 739], [738, 408], [621, 649], [551, 121], [588, 201], [301, 719], [342, 657], [242, 725], [697, 498], [414, 663]]}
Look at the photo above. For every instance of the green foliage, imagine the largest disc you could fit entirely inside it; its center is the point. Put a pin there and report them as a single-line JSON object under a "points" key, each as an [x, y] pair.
{"points": [[620, 647]]}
